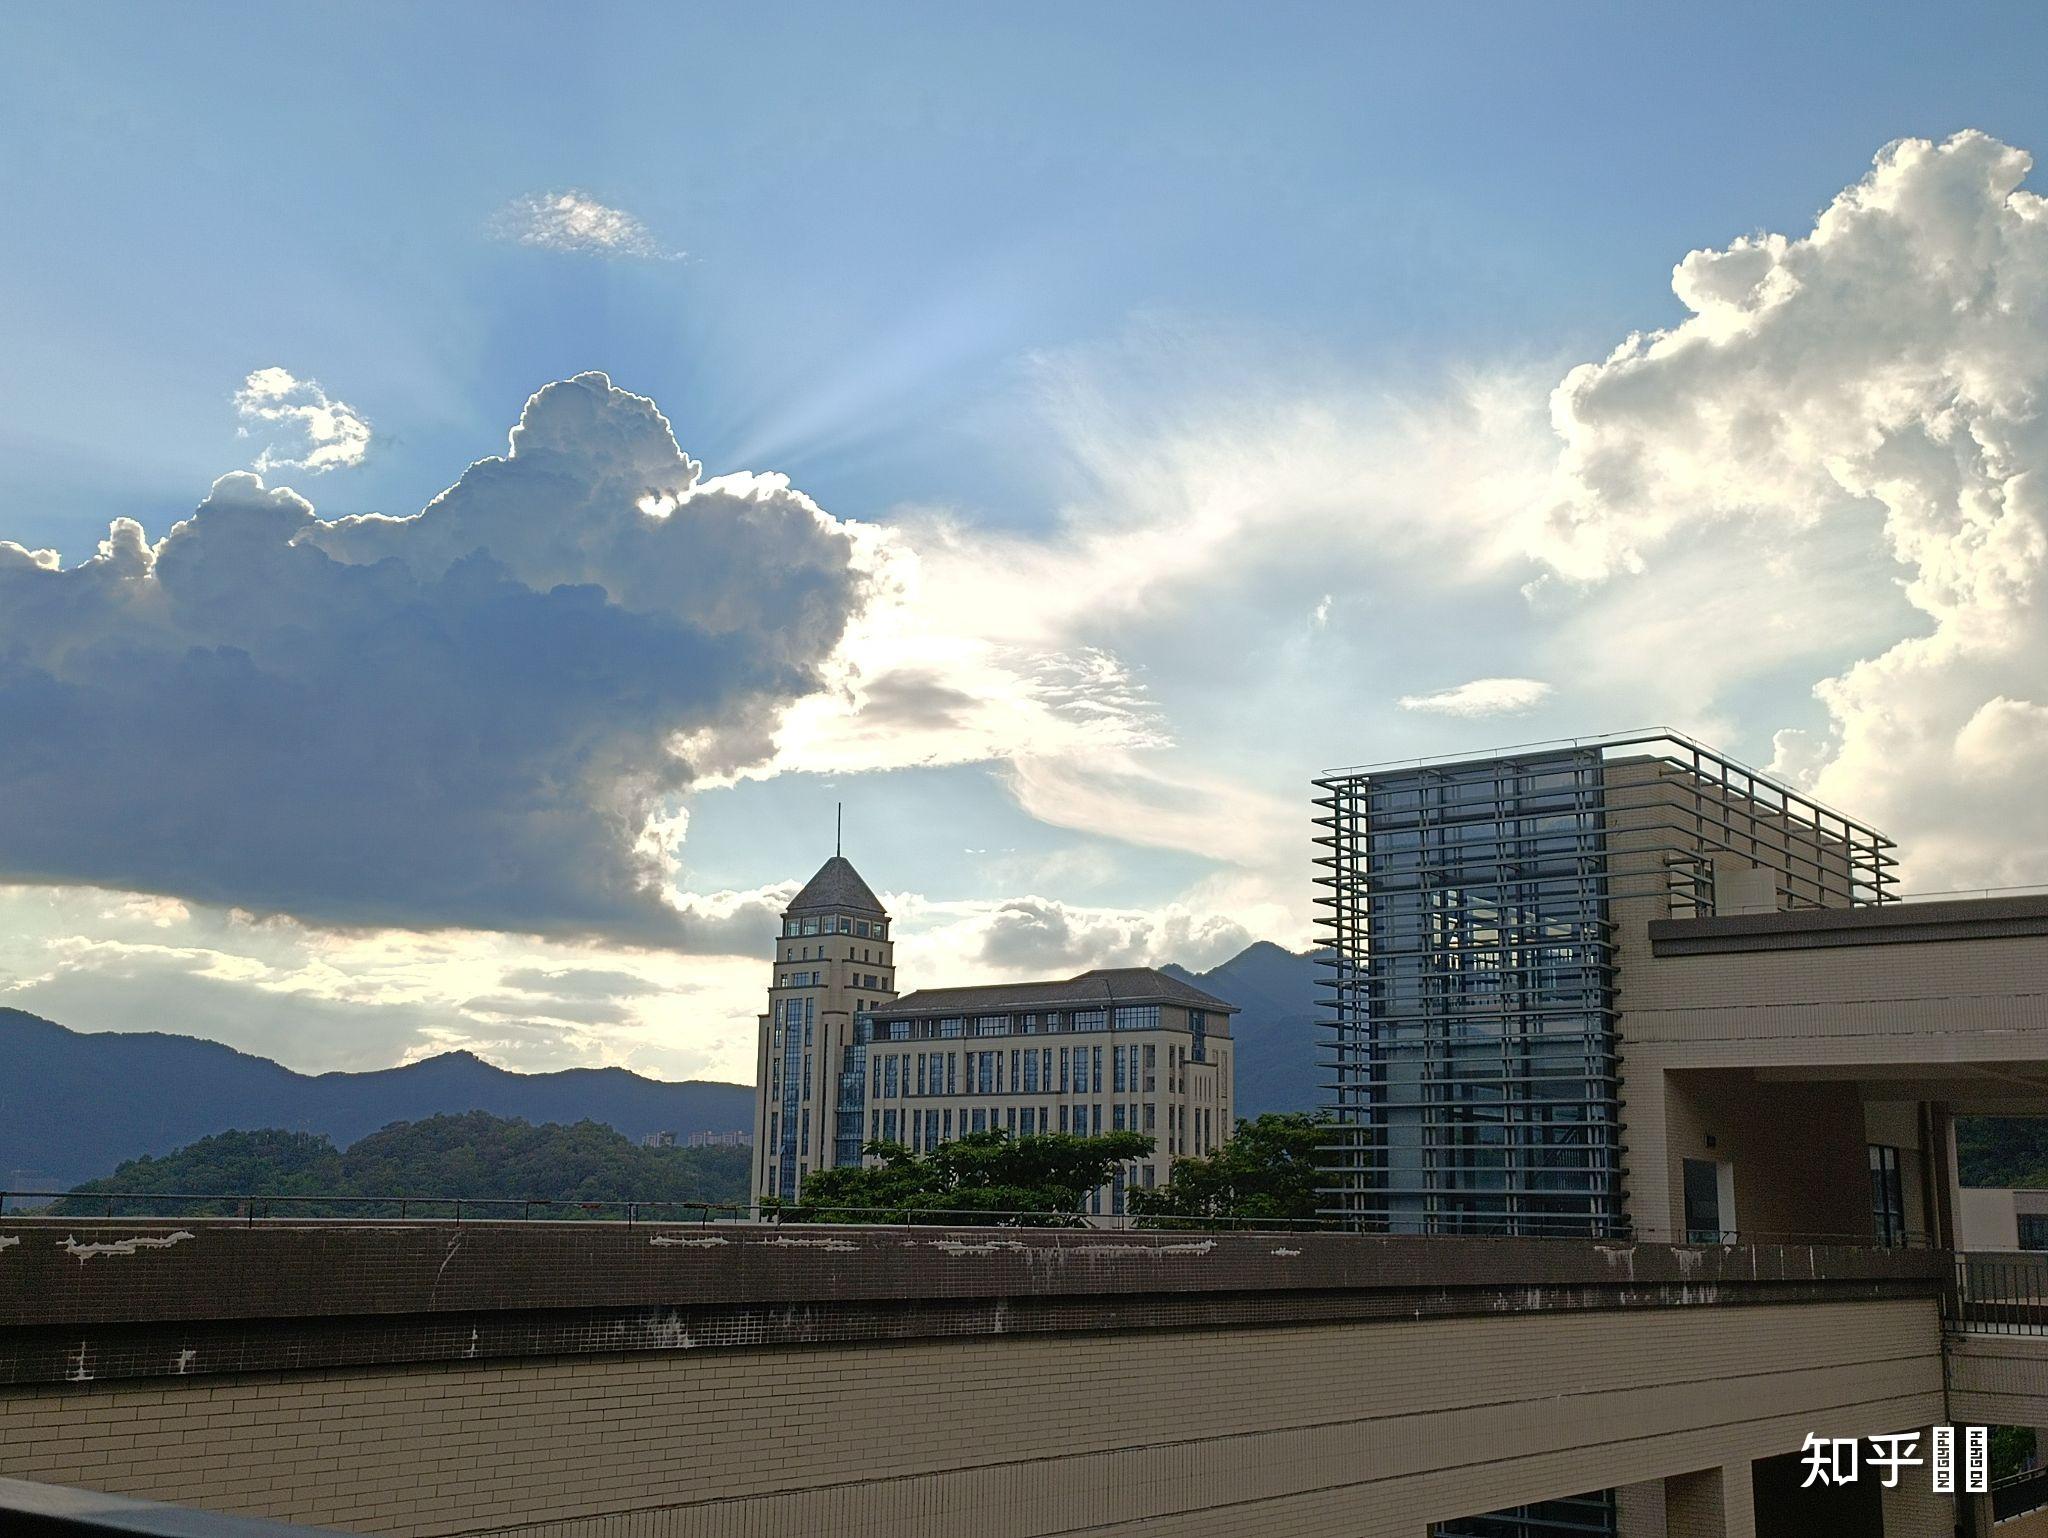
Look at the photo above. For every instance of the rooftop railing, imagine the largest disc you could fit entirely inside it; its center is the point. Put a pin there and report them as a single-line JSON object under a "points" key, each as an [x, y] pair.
{"points": [[2017, 1494], [250, 1209], [2001, 1293]]}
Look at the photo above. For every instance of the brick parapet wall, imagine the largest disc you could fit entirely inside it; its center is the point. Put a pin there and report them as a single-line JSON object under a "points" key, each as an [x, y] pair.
{"points": [[100, 1300]]}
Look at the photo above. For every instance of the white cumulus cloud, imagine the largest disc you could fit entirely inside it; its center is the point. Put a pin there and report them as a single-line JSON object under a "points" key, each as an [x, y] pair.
{"points": [[307, 428], [1481, 697], [570, 220], [1893, 359]]}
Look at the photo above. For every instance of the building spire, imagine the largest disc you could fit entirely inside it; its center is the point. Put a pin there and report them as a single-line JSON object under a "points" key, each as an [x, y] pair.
{"points": [[838, 827]]}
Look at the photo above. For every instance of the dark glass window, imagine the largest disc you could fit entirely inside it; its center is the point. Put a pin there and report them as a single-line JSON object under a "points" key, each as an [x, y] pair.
{"points": [[1887, 1195], [1704, 1219]]}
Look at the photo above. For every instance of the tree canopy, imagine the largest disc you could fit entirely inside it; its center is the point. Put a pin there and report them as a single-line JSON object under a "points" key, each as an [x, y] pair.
{"points": [[2002, 1150], [1266, 1171], [1038, 1180], [473, 1155]]}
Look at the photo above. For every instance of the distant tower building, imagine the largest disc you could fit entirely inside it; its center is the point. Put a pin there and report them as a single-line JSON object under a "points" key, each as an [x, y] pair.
{"points": [[833, 961]]}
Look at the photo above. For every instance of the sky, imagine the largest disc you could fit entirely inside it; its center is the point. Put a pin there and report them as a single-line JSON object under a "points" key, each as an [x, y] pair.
{"points": [[480, 485]]}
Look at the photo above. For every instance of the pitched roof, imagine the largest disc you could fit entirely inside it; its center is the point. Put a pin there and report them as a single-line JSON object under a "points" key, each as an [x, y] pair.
{"points": [[837, 885], [1091, 990]]}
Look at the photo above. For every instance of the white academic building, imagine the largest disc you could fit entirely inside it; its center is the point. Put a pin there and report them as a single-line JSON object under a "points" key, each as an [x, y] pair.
{"points": [[844, 1060]]}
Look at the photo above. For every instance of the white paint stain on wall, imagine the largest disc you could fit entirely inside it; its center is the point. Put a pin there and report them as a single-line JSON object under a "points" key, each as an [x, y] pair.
{"points": [[86, 1252], [1198, 1247]]}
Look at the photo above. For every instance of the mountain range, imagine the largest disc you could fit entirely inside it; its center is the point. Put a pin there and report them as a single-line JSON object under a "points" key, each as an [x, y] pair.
{"points": [[1280, 1034], [75, 1104]]}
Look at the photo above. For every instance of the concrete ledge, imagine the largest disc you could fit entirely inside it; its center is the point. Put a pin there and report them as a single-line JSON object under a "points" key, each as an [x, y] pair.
{"points": [[69, 1271], [1915, 923], [97, 1300]]}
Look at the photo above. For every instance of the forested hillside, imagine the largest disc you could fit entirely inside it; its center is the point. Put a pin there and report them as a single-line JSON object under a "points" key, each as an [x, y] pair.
{"points": [[2002, 1150], [75, 1104], [472, 1155]]}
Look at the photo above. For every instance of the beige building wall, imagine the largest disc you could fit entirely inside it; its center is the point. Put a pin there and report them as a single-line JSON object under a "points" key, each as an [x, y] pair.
{"points": [[1333, 1431], [1184, 1106], [1999, 1380], [1795, 1151], [1988, 1218], [1887, 1026], [833, 964]]}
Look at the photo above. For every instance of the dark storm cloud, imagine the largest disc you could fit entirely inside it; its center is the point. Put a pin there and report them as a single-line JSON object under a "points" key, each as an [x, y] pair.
{"points": [[463, 718]]}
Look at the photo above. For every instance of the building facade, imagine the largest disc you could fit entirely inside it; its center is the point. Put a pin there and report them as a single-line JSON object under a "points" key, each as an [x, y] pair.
{"points": [[834, 961], [1124, 1050], [843, 1061], [1486, 920], [1630, 989]]}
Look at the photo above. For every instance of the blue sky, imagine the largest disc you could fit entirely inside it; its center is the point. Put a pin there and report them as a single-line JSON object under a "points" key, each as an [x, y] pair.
{"points": [[1202, 354]]}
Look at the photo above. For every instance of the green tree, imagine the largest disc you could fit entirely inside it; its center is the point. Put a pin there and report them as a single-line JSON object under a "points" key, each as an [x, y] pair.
{"points": [[586, 1169], [1265, 1172], [1039, 1180], [2012, 1450], [2002, 1150]]}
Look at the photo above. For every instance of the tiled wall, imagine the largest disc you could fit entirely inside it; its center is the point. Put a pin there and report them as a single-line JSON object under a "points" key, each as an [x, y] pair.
{"points": [[1313, 1429]]}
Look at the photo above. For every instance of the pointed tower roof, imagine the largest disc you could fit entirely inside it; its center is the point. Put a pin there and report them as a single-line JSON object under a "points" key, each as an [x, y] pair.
{"points": [[837, 885]]}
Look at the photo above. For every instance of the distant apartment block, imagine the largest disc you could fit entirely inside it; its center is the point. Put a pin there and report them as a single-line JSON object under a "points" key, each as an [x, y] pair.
{"points": [[844, 1061], [735, 1139]]}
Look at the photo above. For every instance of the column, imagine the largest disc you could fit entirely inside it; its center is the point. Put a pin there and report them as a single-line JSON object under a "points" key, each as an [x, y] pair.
{"points": [[1913, 1510], [1652, 1212], [1639, 1510], [1713, 1503], [1943, 1182]]}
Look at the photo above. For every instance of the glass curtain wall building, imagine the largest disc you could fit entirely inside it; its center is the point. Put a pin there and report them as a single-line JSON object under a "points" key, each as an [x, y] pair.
{"points": [[1477, 915], [1477, 1085], [1475, 911]]}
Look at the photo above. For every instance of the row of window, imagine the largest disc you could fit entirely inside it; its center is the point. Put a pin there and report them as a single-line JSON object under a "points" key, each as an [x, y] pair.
{"points": [[1019, 1071], [816, 979], [1188, 1130], [835, 924], [1128, 1017], [923, 1131], [824, 953]]}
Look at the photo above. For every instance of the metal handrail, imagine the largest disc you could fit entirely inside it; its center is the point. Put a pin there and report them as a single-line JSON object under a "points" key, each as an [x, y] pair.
{"points": [[2017, 1494], [254, 1207], [2000, 1292]]}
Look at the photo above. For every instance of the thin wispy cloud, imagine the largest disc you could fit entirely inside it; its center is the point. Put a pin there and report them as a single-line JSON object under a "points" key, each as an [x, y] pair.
{"points": [[1481, 697], [307, 428], [571, 220]]}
